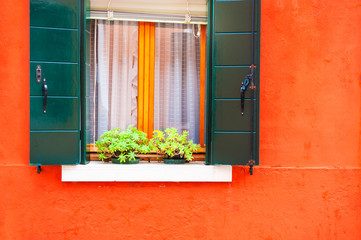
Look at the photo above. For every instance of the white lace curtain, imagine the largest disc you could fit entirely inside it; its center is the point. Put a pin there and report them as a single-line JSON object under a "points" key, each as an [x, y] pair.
{"points": [[114, 83], [177, 68]]}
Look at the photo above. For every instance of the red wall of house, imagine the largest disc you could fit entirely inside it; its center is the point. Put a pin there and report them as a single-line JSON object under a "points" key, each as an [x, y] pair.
{"points": [[308, 183]]}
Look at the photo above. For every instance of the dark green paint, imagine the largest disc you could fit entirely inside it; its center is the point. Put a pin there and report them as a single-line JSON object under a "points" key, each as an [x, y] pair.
{"points": [[87, 136], [54, 148], [209, 87], [61, 114], [229, 40], [87, 113], [54, 13], [61, 79], [86, 48], [232, 49], [85, 80], [228, 81], [233, 16], [228, 116], [87, 74], [55, 38], [231, 148], [54, 45]]}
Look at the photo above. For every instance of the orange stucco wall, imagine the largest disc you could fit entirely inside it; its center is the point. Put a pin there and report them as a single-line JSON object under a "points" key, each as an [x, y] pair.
{"points": [[308, 184]]}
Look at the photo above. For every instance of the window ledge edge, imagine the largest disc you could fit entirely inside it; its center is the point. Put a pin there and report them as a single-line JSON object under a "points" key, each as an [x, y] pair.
{"points": [[146, 172]]}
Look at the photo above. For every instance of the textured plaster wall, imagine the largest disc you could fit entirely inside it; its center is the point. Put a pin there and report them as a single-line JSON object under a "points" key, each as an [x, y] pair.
{"points": [[308, 184]]}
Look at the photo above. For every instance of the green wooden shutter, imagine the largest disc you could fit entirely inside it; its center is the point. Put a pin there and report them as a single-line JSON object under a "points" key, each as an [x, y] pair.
{"points": [[55, 46], [230, 50]]}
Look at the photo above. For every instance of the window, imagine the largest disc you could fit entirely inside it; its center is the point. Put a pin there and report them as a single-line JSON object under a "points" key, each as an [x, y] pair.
{"points": [[60, 126], [145, 75]]}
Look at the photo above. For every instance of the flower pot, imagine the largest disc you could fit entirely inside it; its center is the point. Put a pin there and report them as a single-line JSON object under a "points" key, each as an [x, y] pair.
{"points": [[176, 159], [128, 161]]}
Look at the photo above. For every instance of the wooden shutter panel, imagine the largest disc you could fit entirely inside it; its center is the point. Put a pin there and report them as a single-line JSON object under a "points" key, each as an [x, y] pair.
{"points": [[55, 40], [229, 139]]}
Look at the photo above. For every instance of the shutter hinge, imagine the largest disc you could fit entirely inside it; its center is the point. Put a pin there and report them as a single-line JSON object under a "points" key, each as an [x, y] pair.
{"points": [[251, 163]]}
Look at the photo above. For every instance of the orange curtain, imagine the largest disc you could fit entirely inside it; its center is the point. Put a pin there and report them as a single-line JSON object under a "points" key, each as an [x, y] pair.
{"points": [[146, 78], [202, 85]]}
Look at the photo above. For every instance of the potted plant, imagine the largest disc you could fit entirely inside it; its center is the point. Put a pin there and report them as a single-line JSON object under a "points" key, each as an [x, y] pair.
{"points": [[122, 145], [174, 146]]}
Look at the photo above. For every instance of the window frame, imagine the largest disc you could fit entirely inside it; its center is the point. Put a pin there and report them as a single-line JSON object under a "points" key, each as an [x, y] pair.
{"points": [[146, 120]]}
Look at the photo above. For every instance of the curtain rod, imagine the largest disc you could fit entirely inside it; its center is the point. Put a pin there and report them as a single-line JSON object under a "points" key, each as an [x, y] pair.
{"points": [[144, 17]]}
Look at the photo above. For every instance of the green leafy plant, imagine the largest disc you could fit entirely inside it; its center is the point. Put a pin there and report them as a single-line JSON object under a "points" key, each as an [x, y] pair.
{"points": [[173, 145], [122, 144]]}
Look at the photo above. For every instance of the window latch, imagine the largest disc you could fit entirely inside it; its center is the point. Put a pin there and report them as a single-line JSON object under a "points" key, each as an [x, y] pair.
{"points": [[45, 90], [248, 81], [243, 90], [45, 86]]}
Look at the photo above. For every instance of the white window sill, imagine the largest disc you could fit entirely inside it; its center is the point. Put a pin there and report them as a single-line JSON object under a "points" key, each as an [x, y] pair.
{"points": [[97, 171]]}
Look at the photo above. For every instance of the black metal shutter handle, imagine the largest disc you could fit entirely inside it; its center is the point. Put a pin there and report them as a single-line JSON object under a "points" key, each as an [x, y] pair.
{"points": [[45, 90], [243, 90], [242, 102]]}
